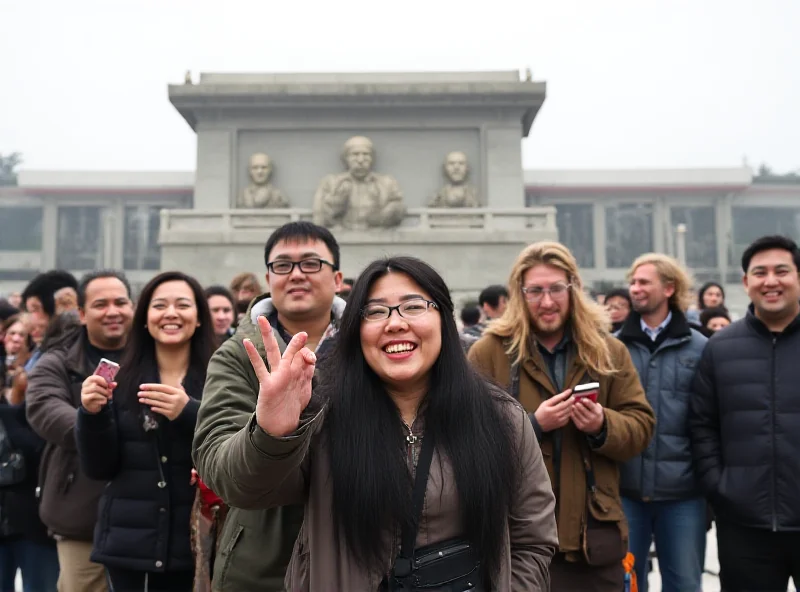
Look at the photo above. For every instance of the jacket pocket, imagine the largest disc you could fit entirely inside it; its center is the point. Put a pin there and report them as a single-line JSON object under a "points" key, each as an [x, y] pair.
{"points": [[606, 505], [231, 533], [684, 376]]}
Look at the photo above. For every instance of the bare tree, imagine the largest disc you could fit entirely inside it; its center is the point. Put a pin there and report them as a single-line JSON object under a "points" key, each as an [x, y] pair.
{"points": [[8, 165]]}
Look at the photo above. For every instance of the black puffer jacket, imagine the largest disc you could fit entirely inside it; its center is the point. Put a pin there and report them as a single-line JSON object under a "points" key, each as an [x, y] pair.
{"points": [[19, 507], [745, 424], [144, 516]]}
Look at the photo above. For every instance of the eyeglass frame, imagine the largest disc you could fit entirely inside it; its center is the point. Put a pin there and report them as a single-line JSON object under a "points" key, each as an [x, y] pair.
{"points": [[271, 265], [429, 304], [526, 293]]}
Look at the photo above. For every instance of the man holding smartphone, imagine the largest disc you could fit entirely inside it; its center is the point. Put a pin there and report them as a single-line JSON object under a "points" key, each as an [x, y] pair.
{"points": [[660, 492], [552, 339], [68, 498]]}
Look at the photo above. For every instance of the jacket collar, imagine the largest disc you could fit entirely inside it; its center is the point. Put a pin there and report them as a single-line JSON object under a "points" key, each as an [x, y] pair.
{"points": [[678, 328], [536, 367], [263, 306], [759, 325], [75, 354]]}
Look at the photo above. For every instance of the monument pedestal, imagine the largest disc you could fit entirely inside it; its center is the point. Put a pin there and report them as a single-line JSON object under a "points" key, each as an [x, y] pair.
{"points": [[405, 137], [470, 248]]}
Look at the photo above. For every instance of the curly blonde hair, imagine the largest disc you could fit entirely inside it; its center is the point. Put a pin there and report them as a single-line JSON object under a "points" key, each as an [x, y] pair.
{"points": [[589, 322]]}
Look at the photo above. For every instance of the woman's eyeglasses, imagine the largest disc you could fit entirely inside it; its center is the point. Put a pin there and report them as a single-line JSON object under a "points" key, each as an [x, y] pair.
{"points": [[408, 310]]}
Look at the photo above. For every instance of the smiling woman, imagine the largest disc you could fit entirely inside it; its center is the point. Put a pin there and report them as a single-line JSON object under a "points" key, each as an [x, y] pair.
{"points": [[136, 433], [415, 472]]}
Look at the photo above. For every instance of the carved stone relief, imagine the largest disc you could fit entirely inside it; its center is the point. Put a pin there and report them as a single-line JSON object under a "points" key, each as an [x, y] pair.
{"points": [[458, 192], [260, 193], [358, 198]]}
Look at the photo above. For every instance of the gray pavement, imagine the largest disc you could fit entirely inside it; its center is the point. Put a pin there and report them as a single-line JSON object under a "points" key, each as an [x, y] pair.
{"points": [[710, 582]]}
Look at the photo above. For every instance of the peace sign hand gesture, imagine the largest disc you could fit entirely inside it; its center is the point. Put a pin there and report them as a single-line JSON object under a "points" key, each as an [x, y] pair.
{"points": [[284, 390]]}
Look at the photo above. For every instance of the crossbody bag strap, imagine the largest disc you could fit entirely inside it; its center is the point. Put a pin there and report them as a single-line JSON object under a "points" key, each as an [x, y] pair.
{"points": [[513, 388], [588, 466], [404, 562]]}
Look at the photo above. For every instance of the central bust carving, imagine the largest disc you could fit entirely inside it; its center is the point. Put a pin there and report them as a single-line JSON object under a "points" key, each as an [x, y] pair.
{"points": [[358, 198]]}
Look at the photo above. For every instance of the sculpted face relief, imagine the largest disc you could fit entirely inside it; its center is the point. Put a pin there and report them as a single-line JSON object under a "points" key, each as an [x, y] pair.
{"points": [[456, 167], [358, 198]]}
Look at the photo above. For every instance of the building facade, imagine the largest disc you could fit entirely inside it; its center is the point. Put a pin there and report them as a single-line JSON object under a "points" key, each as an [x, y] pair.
{"points": [[86, 220], [81, 221]]}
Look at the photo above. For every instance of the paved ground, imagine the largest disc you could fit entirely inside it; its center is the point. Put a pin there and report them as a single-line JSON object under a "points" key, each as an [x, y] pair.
{"points": [[710, 582]]}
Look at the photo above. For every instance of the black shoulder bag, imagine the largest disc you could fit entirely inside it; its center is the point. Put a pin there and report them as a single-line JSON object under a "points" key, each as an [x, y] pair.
{"points": [[449, 566]]}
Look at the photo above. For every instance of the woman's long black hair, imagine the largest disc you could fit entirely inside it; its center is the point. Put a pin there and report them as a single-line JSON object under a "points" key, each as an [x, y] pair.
{"points": [[138, 363], [370, 477]]}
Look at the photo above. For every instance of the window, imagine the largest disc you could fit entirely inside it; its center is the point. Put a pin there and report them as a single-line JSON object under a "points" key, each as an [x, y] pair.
{"points": [[752, 223], [16, 275], [80, 238], [20, 229], [701, 231], [141, 250], [629, 233], [576, 230]]}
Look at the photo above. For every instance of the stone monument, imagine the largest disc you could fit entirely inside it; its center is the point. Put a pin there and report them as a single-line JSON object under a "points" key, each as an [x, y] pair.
{"points": [[358, 198], [395, 127], [260, 193], [457, 193]]}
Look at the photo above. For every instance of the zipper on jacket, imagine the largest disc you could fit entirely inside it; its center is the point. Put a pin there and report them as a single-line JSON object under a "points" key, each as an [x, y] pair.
{"points": [[774, 448]]}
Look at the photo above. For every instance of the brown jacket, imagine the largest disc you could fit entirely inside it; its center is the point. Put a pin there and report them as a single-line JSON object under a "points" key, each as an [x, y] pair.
{"points": [[629, 423], [69, 499], [259, 471]]}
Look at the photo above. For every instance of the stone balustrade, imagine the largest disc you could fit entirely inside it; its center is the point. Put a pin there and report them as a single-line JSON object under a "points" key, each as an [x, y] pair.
{"points": [[416, 220], [471, 247]]}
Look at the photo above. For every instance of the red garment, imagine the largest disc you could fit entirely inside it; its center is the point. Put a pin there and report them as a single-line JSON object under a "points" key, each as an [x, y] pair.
{"points": [[208, 499]]}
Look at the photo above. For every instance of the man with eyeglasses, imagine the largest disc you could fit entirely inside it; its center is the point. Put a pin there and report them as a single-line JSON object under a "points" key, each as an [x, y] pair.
{"points": [[551, 340], [303, 276]]}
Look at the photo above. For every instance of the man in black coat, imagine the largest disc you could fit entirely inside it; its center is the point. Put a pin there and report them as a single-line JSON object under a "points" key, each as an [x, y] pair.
{"points": [[745, 425]]}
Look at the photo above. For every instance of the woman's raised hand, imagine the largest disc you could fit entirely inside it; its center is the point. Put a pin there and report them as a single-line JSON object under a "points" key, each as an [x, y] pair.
{"points": [[285, 389]]}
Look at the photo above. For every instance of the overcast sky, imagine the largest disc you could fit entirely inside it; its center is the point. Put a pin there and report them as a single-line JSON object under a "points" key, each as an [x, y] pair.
{"points": [[631, 83]]}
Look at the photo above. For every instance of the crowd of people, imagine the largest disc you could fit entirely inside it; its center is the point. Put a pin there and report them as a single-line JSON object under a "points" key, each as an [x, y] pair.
{"points": [[320, 433]]}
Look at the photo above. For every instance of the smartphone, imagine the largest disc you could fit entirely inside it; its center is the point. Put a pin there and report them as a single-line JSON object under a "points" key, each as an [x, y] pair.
{"points": [[107, 369], [589, 389]]}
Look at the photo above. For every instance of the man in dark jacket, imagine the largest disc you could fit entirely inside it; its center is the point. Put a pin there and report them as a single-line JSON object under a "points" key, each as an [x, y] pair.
{"points": [[745, 425], [68, 498], [303, 277], [659, 489]]}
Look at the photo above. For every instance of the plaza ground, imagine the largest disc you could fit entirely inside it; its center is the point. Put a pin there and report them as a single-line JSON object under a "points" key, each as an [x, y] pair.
{"points": [[710, 582]]}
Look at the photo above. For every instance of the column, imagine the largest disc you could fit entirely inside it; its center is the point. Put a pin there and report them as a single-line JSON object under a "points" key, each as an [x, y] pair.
{"points": [[213, 188], [49, 233], [502, 172]]}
